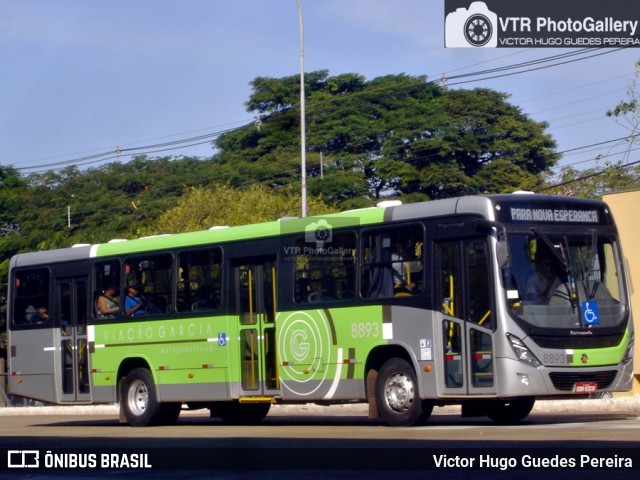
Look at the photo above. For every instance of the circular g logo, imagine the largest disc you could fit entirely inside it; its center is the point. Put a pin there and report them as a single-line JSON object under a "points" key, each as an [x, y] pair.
{"points": [[300, 345], [305, 346]]}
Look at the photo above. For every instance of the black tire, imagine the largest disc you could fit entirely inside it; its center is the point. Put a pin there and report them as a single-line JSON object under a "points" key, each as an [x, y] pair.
{"points": [[510, 411], [399, 403], [169, 412], [235, 413], [138, 399]]}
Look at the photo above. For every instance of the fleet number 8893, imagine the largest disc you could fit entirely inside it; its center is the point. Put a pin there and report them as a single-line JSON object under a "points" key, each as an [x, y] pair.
{"points": [[365, 330], [554, 359]]}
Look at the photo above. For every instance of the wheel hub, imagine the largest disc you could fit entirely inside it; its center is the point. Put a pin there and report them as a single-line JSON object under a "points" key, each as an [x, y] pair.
{"points": [[138, 397], [399, 392]]}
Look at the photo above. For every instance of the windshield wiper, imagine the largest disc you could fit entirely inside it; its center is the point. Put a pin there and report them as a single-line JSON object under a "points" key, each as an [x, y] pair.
{"points": [[563, 256], [588, 268]]}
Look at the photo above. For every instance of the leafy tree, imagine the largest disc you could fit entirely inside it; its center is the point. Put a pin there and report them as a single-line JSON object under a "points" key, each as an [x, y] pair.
{"points": [[13, 191], [395, 135], [12, 188], [201, 208], [627, 112], [392, 136], [594, 182], [477, 141], [614, 176], [60, 208]]}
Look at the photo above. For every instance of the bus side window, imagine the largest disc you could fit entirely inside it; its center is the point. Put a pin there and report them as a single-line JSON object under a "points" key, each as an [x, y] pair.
{"points": [[325, 274], [199, 280], [31, 297], [392, 262], [153, 277], [449, 278], [479, 284], [107, 276]]}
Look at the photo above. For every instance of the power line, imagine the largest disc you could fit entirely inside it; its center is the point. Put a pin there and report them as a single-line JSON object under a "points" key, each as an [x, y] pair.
{"points": [[317, 107], [146, 149], [584, 177], [576, 87], [539, 67]]}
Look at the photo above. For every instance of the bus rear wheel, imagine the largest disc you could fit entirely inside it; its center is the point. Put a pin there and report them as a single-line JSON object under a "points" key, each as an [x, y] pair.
{"points": [[138, 399], [510, 411], [397, 395]]}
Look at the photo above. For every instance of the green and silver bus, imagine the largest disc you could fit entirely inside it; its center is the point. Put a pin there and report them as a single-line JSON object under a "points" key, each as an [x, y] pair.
{"points": [[402, 307]]}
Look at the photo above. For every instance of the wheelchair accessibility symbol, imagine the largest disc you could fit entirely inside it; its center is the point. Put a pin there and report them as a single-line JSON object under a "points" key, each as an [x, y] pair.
{"points": [[590, 313]]}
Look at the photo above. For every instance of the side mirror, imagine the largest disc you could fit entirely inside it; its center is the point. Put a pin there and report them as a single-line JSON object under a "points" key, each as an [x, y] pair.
{"points": [[503, 255]]}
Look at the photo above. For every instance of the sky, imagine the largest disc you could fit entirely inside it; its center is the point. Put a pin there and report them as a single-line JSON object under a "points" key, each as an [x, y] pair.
{"points": [[83, 79]]}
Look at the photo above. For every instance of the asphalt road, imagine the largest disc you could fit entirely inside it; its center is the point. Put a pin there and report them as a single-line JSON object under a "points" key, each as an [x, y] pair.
{"points": [[330, 442]]}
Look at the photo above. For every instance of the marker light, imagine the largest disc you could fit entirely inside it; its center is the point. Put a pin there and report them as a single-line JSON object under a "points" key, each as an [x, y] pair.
{"points": [[524, 379]]}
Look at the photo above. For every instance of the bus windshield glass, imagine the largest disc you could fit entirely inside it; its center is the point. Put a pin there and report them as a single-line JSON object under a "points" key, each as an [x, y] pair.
{"points": [[565, 281]]}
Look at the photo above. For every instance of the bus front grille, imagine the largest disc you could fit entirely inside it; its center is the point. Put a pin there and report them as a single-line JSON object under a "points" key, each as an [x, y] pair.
{"points": [[567, 380]]}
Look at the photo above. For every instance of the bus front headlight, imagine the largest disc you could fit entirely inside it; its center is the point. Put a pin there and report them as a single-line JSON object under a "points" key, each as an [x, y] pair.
{"points": [[522, 351]]}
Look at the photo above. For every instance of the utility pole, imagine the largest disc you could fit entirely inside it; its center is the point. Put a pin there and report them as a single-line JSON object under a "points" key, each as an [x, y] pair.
{"points": [[69, 212], [303, 139]]}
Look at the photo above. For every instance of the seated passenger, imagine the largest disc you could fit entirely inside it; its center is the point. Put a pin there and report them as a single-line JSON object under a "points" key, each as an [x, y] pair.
{"points": [[41, 315], [107, 303], [402, 287]]}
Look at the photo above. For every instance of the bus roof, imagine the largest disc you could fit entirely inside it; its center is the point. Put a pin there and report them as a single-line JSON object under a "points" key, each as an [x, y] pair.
{"points": [[482, 205]]}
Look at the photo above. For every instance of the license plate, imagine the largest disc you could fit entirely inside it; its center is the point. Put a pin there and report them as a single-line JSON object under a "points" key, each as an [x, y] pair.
{"points": [[586, 387]]}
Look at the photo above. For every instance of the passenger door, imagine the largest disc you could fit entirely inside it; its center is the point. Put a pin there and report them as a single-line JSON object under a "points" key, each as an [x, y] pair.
{"points": [[463, 284], [72, 314], [256, 308]]}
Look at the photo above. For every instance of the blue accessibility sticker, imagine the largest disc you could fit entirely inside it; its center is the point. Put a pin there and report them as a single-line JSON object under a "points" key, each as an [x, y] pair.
{"points": [[590, 313]]}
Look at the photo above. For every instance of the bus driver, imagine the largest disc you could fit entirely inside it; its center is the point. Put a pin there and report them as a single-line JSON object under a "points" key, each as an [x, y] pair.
{"points": [[134, 302]]}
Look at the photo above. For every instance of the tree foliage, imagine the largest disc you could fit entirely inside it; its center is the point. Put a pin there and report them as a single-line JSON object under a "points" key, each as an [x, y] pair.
{"points": [[60, 208], [202, 208], [627, 112], [392, 136], [595, 182], [613, 176]]}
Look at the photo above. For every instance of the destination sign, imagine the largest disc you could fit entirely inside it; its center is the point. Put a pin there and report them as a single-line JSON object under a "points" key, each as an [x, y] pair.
{"points": [[553, 215]]}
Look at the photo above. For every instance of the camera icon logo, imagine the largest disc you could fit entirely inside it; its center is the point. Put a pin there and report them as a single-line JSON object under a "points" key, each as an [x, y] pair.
{"points": [[23, 459], [319, 232], [471, 27]]}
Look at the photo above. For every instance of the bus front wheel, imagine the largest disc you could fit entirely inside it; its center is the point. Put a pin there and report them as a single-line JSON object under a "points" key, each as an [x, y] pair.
{"points": [[397, 395], [138, 398]]}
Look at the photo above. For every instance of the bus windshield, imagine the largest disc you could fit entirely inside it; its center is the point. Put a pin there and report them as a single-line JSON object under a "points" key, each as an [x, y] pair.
{"points": [[564, 280]]}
